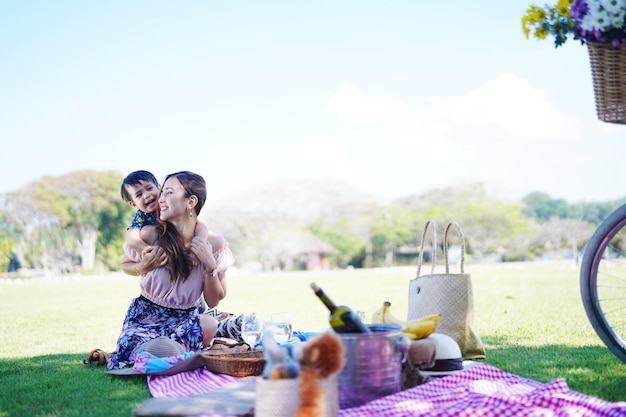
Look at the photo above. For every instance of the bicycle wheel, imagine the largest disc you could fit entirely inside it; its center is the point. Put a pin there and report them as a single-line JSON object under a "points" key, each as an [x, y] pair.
{"points": [[603, 282]]}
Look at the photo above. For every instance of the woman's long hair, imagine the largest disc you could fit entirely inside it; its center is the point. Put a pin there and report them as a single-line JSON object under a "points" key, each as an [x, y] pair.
{"points": [[180, 262]]}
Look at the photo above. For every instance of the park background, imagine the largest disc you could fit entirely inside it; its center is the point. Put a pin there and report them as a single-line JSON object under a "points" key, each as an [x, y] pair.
{"points": [[76, 223], [353, 121]]}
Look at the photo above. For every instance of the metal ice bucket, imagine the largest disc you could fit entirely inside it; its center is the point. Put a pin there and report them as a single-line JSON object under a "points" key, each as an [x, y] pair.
{"points": [[373, 364]]}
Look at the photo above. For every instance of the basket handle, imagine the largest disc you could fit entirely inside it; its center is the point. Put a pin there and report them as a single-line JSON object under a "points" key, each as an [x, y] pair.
{"points": [[445, 245], [429, 222]]}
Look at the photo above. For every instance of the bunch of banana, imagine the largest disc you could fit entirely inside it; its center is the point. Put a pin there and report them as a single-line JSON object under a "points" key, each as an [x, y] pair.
{"points": [[414, 329]]}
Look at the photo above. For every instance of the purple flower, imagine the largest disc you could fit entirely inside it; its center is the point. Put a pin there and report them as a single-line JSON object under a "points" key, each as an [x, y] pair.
{"points": [[601, 21], [596, 22], [579, 9]]}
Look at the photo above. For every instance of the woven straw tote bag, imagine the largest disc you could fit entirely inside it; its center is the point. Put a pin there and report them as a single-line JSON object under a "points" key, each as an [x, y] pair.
{"points": [[448, 294]]}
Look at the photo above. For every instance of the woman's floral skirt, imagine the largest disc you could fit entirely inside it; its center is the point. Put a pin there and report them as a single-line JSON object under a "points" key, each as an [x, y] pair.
{"points": [[145, 321]]}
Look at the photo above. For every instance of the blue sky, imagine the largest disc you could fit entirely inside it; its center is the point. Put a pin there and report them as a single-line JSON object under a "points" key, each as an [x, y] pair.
{"points": [[391, 97]]}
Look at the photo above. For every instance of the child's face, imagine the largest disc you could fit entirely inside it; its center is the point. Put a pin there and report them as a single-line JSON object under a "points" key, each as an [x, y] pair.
{"points": [[144, 196]]}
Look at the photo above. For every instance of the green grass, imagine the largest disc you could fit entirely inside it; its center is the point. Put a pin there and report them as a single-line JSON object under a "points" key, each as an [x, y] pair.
{"points": [[529, 316]]}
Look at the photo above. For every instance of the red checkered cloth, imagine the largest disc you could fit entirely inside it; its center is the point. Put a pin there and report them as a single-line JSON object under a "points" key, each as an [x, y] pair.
{"points": [[484, 390], [481, 390]]}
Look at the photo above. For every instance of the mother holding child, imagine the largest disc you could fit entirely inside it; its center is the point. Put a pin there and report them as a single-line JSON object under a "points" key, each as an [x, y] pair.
{"points": [[184, 267]]}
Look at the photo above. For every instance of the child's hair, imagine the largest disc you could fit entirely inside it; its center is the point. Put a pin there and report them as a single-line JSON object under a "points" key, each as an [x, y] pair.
{"points": [[133, 179]]}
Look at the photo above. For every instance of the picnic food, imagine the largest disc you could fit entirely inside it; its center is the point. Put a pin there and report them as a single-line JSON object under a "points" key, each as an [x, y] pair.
{"points": [[342, 318], [413, 329]]}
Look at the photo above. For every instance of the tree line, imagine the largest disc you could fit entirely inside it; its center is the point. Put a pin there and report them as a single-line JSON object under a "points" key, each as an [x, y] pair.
{"points": [[77, 223]]}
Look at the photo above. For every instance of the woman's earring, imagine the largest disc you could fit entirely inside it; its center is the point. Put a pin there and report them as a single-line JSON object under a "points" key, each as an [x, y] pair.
{"points": [[190, 215]]}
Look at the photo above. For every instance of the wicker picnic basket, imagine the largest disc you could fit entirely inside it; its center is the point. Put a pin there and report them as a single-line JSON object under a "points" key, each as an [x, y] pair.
{"points": [[608, 71], [238, 364]]}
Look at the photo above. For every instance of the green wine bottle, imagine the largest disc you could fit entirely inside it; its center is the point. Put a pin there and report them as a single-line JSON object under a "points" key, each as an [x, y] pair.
{"points": [[342, 319]]}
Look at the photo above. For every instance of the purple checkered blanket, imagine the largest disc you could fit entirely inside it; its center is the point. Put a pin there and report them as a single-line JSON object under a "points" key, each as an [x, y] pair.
{"points": [[481, 390]]}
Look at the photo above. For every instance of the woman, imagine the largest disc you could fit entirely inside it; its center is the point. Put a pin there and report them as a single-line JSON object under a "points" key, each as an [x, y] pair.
{"points": [[167, 305]]}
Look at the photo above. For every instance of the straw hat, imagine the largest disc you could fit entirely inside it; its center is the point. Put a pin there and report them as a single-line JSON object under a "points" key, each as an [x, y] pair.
{"points": [[163, 346], [448, 357]]}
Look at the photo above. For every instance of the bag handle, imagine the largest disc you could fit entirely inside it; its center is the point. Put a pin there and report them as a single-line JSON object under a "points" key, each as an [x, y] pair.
{"points": [[445, 245], [429, 222]]}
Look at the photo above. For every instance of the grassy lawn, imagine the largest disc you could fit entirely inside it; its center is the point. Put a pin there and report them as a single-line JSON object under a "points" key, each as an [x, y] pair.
{"points": [[529, 316]]}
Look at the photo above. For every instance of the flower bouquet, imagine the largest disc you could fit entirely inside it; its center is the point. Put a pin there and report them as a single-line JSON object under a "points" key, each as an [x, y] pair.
{"points": [[601, 25]]}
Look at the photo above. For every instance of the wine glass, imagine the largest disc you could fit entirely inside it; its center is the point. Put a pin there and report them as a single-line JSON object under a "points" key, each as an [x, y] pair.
{"points": [[252, 329], [282, 327]]}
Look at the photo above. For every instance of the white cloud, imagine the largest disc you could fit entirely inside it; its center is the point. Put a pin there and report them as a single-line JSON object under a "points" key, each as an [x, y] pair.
{"points": [[507, 132], [512, 104], [504, 105]]}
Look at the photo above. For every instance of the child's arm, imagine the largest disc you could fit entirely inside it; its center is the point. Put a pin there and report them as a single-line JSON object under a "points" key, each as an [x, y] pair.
{"points": [[137, 239], [149, 235], [134, 240], [202, 231]]}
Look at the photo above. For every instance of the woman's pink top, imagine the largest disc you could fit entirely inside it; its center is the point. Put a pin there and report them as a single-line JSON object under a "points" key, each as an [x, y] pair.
{"points": [[157, 287]]}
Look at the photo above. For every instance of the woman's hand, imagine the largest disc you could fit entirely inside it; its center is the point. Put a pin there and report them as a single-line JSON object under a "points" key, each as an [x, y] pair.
{"points": [[214, 288], [204, 252], [152, 257]]}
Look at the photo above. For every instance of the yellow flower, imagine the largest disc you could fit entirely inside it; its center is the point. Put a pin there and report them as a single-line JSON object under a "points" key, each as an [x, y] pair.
{"points": [[562, 7], [535, 17], [540, 22]]}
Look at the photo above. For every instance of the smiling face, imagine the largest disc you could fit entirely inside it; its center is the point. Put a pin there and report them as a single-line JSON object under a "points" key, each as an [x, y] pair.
{"points": [[144, 196], [173, 201]]}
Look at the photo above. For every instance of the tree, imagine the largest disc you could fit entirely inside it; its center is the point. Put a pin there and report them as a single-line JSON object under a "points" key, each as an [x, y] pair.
{"points": [[268, 225], [344, 237], [489, 226], [65, 216], [493, 227], [10, 235], [563, 235], [80, 219], [595, 213], [541, 207], [113, 219]]}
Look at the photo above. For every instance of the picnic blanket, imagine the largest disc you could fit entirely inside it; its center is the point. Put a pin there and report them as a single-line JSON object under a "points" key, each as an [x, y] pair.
{"points": [[480, 390]]}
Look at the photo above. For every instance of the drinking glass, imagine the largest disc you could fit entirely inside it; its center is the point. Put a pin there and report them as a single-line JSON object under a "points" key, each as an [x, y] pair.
{"points": [[282, 327], [252, 329]]}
